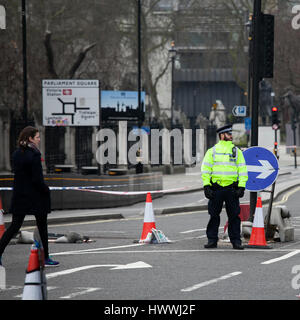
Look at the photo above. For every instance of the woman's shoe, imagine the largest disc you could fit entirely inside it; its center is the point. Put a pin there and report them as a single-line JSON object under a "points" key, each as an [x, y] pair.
{"points": [[51, 263]]}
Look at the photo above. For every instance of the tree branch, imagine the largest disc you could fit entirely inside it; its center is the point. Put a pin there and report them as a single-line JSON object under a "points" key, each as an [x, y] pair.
{"points": [[80, 58], [49, 53]]}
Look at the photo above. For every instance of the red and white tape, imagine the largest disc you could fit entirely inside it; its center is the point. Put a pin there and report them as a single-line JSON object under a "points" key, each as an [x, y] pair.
{"points": [[131, 193], [122, 193]]}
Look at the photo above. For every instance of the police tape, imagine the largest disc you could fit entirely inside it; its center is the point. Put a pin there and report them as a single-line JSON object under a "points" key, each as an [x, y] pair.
{"points": [[130, 193], [85, 187], [123, 193]]}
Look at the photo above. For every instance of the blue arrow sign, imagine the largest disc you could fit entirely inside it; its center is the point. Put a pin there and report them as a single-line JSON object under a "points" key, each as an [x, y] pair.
{"points": [[262, 167]]}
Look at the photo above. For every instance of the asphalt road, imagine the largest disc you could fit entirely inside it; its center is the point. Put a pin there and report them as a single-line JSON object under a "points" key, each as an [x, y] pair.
{"points": [[115, 267]]}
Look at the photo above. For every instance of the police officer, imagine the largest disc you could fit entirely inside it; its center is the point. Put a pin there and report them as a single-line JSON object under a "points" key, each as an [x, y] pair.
{"points": [[224, 175]]}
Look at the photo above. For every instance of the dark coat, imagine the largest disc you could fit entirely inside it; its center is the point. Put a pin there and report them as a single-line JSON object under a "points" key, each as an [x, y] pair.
{"points": [[30, 193]]}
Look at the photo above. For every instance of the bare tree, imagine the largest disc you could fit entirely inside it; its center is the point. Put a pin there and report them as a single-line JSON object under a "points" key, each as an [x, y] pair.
{"points": [[64, 40], [11, 62]]}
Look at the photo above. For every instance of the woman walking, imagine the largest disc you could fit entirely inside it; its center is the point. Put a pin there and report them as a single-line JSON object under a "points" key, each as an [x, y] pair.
{"points": [[30, 193]]}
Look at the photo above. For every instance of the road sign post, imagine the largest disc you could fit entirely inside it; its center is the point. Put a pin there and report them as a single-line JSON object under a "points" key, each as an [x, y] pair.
{"points": [[268, 217]]}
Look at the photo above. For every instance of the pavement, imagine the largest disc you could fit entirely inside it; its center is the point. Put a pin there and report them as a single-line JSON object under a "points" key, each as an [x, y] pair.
{"points": [[189, 182]]}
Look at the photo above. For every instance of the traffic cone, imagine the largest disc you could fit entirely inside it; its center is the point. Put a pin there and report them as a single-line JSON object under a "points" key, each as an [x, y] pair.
{"points": [[149, 221], [2, 225], [258, 238], [41, 254], [225, 234], [2, 278], [33, 281]]}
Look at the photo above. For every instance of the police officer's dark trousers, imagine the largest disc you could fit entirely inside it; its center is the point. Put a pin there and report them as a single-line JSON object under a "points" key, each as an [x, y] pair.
{"points": [[232, 205]]}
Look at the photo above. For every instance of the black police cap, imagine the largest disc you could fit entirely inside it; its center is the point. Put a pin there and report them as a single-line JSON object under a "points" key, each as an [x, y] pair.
{"points": [[227, 128]]}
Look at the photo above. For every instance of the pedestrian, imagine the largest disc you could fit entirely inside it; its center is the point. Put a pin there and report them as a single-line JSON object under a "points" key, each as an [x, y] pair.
{"points": [[30, 193], [224, 175], [139, 168]]}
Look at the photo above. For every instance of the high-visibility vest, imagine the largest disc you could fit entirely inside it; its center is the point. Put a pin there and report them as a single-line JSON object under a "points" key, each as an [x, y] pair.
{"points": [[224, 164]]}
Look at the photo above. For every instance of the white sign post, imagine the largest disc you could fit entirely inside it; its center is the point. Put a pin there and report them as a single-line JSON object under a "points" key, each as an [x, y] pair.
{"points": [[2, 17], [71, 102]]}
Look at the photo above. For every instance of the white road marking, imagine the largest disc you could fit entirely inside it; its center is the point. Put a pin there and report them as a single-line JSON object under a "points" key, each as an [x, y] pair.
{"points": [[70, 296], [11, 288], [95, 249], [152, 251], [80, 293], [206, 283], [195, 230], [286, 256], [135, 265], [48, 289]]}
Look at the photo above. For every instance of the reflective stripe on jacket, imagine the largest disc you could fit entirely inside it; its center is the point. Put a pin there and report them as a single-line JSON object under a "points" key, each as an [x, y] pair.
{"points": [[220, 166]]}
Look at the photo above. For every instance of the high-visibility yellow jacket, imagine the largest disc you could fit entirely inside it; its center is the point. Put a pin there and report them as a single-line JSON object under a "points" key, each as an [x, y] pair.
{"points": [[223, 165]]}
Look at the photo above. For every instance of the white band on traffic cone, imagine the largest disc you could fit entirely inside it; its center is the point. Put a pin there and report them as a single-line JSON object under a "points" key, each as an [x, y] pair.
{"points": [[32, 286], [149, 220]]}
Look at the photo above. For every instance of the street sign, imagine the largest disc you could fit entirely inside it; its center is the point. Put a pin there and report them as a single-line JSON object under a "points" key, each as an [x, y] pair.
{"points": [[70, 102], [239, 111], [262, 167], [122, 105], [247, 124]]}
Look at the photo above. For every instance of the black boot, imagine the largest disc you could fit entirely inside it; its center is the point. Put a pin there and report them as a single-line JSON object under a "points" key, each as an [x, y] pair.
{"points": [[211, 244], [237, 246]]}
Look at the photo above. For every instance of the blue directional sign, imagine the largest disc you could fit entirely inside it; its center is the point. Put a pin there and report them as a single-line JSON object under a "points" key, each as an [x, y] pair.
{"points": [[262, 167], [247, 124], [239, 111]]}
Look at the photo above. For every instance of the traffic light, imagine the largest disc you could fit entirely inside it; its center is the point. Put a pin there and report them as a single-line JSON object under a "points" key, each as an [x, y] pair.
{"points": [[266, 50], [275, 119]]}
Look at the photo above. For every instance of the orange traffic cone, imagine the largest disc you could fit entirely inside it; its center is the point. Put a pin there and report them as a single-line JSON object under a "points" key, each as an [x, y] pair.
{"points": [[2, 225], [258, 238], [33, 287], [149, 221]]}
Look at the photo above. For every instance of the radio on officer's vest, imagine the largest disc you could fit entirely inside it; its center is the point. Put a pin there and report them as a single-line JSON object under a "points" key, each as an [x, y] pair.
{"points": [[234, 152]]}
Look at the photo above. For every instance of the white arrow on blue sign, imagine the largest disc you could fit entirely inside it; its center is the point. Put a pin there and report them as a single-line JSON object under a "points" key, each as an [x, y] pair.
{"points": [[239, 111], [262, 167]]}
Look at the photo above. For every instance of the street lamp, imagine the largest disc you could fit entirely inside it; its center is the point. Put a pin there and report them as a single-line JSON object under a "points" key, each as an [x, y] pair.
{"points": [[172, 53], [139, 60], [24, 62], [294, 127]]}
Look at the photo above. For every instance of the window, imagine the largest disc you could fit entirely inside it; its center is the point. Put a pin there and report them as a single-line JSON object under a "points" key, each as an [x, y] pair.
{"points": [[164, 5], [191, 60]]}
